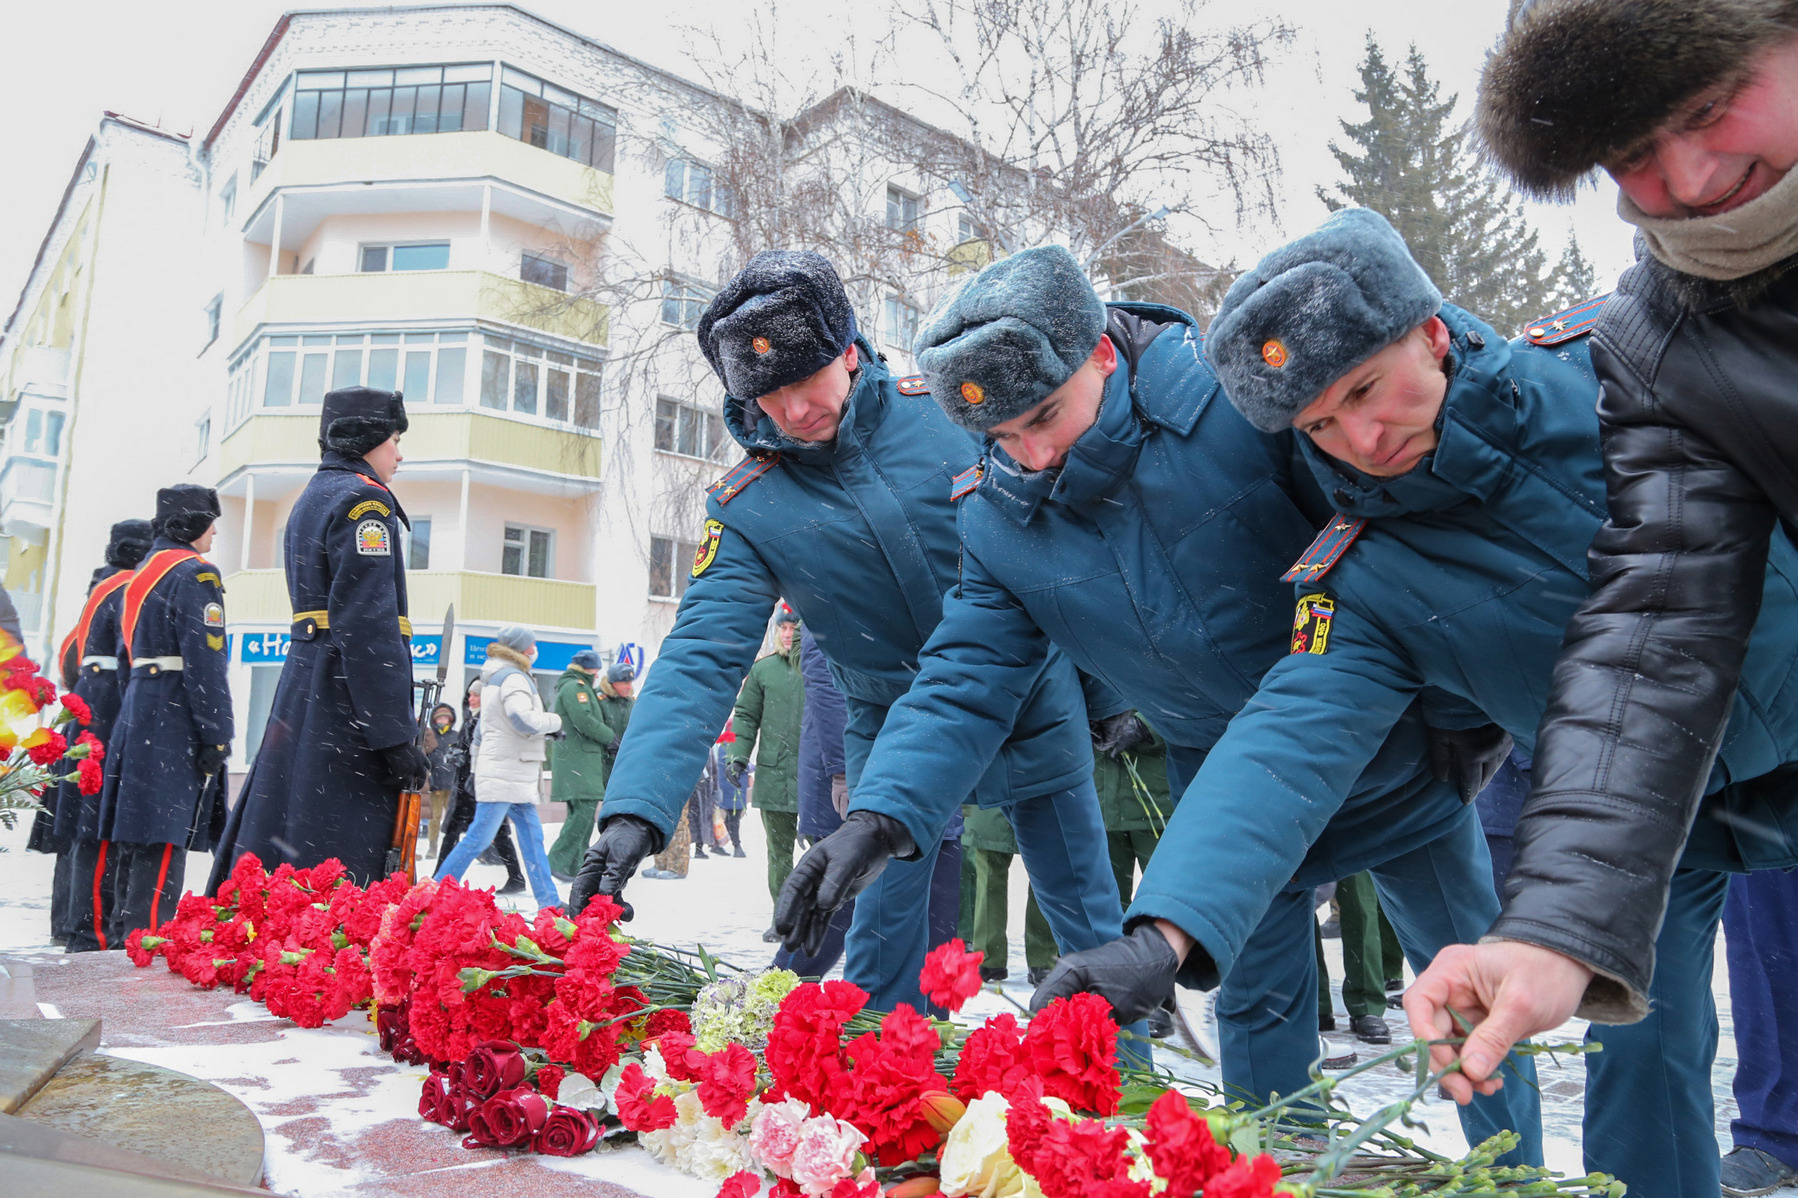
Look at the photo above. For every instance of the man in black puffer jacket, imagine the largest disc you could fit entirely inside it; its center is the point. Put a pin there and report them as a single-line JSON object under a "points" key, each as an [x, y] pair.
{"points": [[1698, 356]]}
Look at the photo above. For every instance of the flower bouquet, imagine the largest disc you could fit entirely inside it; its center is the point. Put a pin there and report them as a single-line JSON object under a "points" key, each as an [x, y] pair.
{"points": [[35, 736], [556, 1034]]}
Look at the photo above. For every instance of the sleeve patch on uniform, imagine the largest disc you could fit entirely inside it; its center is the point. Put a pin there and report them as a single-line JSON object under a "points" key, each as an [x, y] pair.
{"points": [[215, 615], [214, 642], [369, 505], [580, 698], [373, 539], [207, 576], [1311, 624], [708, 547]]}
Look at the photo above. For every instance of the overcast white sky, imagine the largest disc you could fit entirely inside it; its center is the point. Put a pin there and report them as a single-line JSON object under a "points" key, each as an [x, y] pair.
{"points": [[176, 62]]}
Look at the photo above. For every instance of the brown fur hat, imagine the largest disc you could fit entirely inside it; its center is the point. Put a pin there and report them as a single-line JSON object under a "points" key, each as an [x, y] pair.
{"points": [[1576, 83]]}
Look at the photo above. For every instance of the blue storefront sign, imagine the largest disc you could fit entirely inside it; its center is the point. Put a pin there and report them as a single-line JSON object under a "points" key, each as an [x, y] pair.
{"points": [[552, 656], [270, 648]]}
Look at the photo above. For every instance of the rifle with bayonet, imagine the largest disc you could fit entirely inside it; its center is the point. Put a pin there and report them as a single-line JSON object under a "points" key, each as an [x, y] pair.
{"points": [[402, 856]]}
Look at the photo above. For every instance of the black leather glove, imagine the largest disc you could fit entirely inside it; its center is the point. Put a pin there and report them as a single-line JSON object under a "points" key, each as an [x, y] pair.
{"points": [[734, 770], [1118, 734], [1134, 974], [407, 766], [832, 872], [1468, 757], [558, 734], [211, 758], [623, 843]]}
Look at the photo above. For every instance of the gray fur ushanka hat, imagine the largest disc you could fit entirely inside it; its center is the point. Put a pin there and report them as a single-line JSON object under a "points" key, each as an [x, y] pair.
{"points": [[1312, 311], [1002, 341], [783, 318], [1574, 84]]}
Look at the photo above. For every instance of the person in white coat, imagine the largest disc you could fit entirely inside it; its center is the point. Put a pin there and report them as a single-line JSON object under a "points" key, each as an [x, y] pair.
{"points": [[508, 760]]}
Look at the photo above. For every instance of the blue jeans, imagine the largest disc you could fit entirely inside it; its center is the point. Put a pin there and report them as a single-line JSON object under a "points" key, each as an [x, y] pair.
{"points": [[481, 831]]}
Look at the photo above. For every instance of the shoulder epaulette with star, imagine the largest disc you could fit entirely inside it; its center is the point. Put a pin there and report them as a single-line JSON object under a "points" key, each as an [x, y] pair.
{"points": [[1576, 321], [912, 384], [965, 482], [1330, 545], [741, 475]]}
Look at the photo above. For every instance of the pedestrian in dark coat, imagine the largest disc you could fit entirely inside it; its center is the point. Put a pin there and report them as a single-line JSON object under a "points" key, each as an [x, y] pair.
{"points": [[342, 738], [90, 669], [165, 762], [440, 752], [595, 711]]}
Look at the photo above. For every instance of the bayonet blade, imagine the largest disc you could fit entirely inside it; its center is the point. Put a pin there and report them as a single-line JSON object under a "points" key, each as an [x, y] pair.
{"points": [[443, 651]]}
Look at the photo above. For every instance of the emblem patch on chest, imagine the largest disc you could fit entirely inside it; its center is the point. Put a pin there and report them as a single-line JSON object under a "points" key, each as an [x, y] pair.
{"points": [[369, 505], [1311, 624], [215, 615], [373, 539], [707, 553]]}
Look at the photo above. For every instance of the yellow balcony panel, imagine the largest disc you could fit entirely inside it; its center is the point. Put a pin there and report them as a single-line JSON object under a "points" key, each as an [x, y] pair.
{"points": [[260, 596], [291, 438], [420, 295], [432, 158]]}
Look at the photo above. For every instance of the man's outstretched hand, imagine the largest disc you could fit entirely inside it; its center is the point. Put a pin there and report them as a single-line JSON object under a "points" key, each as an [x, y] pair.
{"points": [[1134, 974], [623, 843], [1508, 991], [832, 872]]}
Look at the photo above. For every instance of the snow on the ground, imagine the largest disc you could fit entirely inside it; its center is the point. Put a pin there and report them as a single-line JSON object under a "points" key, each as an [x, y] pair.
{"points": [[724, 904]]}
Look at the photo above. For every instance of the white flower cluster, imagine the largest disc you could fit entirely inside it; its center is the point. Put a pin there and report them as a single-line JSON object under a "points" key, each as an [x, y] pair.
{"points": [[733, 1010]]}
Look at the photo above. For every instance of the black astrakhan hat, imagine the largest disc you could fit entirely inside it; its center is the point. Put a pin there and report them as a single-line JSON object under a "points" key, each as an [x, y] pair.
{"points": [[783, 318], [356, 419], [129, 543], [184, 511]]}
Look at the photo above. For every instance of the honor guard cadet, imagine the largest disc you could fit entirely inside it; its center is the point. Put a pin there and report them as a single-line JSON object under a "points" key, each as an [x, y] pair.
{"points": [[165, 761], [843, 507], [1469, 482], [90, 669], [341, 742], [1126, 515]]}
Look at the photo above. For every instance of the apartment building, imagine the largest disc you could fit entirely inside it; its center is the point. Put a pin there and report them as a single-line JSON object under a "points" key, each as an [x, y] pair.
{"points": [[514, 224]]}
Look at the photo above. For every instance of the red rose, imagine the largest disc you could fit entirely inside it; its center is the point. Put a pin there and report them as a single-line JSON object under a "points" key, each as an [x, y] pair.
{"points": [[951, 975], [76, 706], [509, 1119], [726, 1083], [494, 1066], [549, 1079], [567, 1132], [639, 1107], [433, 1100], [741, 1185]]}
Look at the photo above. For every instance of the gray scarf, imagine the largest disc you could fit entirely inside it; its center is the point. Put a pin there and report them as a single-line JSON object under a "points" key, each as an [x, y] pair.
{"points": [[1731, 245]]}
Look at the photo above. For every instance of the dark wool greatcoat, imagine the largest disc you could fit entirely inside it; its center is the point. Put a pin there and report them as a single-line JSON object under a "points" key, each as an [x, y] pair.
{"points": [[319, 787], [153, 780], [103, 689]]}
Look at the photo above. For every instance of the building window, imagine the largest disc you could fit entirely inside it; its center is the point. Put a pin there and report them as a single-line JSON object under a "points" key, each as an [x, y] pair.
{"points": [[416, 543], [423, 255], [683, 303], [561, 122], [202, 438], [901, 323], [228, 200], [532, 381], [43, 433], [545, 272], [427, 367], [212, 318], [688, 429], [668, 566], [692, 183], [268, 140], [904, 210], [527, 552], [385, 103]]}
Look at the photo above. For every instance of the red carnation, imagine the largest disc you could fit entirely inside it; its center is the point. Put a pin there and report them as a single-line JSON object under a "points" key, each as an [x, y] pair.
{"points": [[567, 1132], [804, 1050], [50, 749], [951, 975], [1070, 1158], [90, 776], [726, 1083], [892, 1074], [1181, 1146], [678, 1053], [1246, 1179], [549, 1079], [639, 1107], [991, 1060], [741, 1185], [76, 706], [1072, 1045], [666, 1020]]}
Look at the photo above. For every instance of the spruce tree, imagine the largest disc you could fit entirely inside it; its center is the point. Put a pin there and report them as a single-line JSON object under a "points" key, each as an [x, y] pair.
{"points": [[1411, 161]]}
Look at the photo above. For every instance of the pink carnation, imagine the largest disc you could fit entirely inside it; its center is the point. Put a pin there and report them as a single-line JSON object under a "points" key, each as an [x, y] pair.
{"points": [[774, 1136], [826, 1153]]}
